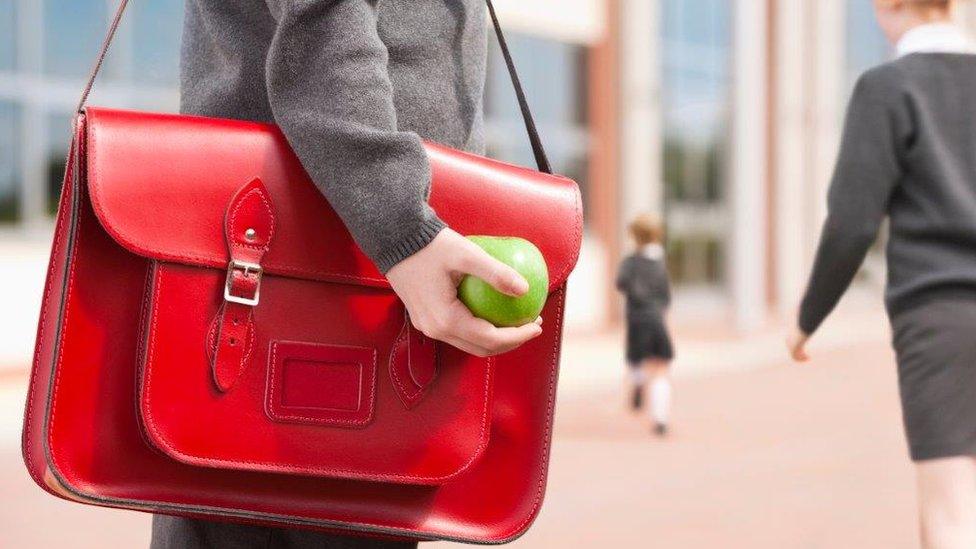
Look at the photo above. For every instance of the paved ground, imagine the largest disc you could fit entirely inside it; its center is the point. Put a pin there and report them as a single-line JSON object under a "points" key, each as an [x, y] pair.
{"points": [[786, 457], [763, 455]]}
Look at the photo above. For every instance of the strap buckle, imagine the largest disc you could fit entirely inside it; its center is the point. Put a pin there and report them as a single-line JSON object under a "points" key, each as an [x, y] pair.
{"points": [[248, 269]]}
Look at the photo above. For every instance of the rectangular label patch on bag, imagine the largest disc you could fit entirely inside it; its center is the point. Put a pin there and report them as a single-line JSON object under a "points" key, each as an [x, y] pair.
{"points": [[321, 383]]}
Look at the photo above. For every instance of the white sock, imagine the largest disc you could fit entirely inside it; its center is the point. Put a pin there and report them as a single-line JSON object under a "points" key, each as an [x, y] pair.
{"points": [[637, 377], [661, 400]]}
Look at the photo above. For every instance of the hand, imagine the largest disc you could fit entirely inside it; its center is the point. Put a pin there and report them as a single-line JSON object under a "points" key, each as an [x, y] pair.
{"points": [[796, 344], [427, 283]]}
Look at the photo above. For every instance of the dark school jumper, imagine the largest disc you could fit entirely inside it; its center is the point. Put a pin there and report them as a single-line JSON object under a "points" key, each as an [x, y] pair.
{"points": [[909, 154]]}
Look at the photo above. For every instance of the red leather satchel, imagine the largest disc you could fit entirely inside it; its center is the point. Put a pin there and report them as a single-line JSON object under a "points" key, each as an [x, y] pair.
{"points": [[212, 343]]}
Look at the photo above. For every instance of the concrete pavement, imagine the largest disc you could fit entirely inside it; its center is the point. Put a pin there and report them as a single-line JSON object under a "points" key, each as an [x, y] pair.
{"points": [[804, 457]]}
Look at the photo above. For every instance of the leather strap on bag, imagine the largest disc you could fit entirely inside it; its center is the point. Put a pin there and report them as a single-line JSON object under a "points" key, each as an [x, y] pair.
{"points": [[249, 228], [537, 149]]}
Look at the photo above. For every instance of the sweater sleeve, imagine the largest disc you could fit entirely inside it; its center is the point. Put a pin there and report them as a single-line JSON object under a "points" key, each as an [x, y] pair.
{"points": [[876, 132], [331, 95], [624, 275], [665, 287]]}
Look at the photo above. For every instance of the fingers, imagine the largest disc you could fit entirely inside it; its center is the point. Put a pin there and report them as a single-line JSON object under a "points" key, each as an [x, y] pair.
{"points": [[796, 346], [467, 347], [506, 343], [474, 335], [483, 334], [427, 281], [477, 262], [800, 354]]}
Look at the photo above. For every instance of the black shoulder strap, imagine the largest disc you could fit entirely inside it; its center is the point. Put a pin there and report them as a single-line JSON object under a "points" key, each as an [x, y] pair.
{"points": [[536, 142], [540, 153], [114, 26]]}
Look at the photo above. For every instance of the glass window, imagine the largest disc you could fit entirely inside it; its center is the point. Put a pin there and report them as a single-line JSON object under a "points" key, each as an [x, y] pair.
{"points": [[10, 173], [8, 36], [866, 45], [56, 151], [157, 27], [72, 35], [696, 106], [695, 258], [553, 75]]}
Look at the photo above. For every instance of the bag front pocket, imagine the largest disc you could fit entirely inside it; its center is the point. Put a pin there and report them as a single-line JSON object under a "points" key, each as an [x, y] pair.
{"points": [[317, 393]]}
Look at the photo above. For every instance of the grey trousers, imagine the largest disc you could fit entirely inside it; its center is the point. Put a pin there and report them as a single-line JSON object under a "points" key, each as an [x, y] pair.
{"points": [[182, 533]]}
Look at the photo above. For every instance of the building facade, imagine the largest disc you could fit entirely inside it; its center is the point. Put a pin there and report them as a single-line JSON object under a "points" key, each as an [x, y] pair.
{"points": [[722, 116], [729, 132]]}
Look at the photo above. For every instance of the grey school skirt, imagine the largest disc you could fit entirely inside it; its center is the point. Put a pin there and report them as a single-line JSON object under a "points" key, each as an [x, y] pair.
{"points": [[648, 338], [935, 342]]}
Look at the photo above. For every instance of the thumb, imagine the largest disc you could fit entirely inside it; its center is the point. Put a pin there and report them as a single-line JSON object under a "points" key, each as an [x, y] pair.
{"points": [[500, 276]]}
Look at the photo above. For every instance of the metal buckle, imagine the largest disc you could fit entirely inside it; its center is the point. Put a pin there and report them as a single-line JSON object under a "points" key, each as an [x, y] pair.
{"points": [[248, 268]]}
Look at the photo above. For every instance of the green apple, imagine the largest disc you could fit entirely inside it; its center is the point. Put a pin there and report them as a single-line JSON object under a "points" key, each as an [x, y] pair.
{"points": [[500, 309]]}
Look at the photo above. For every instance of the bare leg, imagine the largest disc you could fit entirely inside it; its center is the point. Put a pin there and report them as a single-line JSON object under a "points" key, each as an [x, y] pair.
{"points": [[660, 408], [947, 502]]}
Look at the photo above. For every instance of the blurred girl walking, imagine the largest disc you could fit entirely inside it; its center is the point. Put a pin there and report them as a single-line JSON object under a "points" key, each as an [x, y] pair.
{"points": [[909, 154], [643, 279]]}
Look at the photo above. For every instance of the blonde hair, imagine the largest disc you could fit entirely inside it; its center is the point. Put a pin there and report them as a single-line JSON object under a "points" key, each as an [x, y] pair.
{"points": [[646, 229]]}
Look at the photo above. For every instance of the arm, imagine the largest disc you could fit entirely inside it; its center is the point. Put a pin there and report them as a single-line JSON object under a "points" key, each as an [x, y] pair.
{"points": [[877, 131], [331, 95], [665, 287], [623, 276]]}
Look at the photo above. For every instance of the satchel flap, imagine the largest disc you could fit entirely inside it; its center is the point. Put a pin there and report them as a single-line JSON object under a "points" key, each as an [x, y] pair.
{"points": [[160, 185]]}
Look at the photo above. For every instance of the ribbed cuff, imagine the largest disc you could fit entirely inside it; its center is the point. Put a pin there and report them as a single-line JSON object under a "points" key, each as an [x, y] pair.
{"points": [[409, 245]]}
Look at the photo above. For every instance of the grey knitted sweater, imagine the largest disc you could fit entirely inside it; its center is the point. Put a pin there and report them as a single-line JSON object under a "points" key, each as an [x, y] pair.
{"points": [[644, 282], [354, 85], [908, 153]]}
